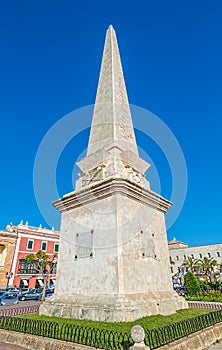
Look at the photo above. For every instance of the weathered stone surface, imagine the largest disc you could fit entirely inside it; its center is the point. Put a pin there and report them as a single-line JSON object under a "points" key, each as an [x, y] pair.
{"points": [[137, 333], [138, 336], [127, 276], [126, 307], [6, 346], [34, 342], [112, 148], [111, 117]]}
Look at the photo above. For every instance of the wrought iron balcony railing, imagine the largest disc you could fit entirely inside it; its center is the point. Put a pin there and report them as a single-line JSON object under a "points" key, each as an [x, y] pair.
{"points": [[27, 271]]}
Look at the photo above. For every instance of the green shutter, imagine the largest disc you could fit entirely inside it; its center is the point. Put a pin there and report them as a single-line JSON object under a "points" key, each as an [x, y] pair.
{"points": [[30, 244]]}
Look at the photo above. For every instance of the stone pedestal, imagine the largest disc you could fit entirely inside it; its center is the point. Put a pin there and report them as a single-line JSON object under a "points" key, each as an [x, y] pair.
{"points": [[117, 308], [114, 261]]}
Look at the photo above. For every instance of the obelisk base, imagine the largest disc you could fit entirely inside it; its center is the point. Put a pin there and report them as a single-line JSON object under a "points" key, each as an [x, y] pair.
{"points": [[113, 308]]}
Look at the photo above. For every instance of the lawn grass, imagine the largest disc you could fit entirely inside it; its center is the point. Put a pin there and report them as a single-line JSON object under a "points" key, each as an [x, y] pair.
{"points": [[148, 322]]}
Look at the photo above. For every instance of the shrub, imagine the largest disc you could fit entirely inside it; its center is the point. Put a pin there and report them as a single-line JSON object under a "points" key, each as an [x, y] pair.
{"points": [[191, 284], [209, 286]]}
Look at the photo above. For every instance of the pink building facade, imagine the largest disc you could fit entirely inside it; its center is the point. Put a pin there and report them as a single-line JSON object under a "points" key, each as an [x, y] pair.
{"points": [[30, 240]]}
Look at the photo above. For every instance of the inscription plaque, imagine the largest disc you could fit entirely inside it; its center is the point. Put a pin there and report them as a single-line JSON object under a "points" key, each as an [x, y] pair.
{"points": [[148, 246], [84, 245]]}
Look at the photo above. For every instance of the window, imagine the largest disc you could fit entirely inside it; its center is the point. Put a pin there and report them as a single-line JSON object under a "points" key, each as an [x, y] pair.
{"points": [[177, 257], [184, 257], [30, 244], [209, 255], [218, 254], [200, 255], [56, 247], [192, 256], [171, 269], [44, 245]]}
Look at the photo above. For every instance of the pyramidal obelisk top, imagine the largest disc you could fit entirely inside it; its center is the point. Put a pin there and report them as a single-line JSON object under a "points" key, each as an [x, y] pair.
{"points": [[112, 139], [112, 122]]}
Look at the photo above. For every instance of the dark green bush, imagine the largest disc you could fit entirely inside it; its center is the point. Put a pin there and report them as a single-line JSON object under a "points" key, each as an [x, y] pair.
{"points": [[191, 284]]}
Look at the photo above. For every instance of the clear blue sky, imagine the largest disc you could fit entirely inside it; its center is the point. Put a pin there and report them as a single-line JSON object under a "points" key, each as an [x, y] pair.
{"points": [[49, 65]]}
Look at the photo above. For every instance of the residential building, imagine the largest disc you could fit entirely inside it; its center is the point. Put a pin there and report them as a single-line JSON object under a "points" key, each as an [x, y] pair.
{"points": [[30, 240]]}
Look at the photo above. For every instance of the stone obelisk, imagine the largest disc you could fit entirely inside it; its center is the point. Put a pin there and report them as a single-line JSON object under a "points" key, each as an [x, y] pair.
{"points": [[113, 260]]}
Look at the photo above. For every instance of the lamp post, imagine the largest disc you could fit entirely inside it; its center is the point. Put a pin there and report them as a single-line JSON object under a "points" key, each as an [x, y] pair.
{"points": [[8, 275]]}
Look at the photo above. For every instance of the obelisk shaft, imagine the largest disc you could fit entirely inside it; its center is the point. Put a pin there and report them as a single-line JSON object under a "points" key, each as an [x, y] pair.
{"points": [[112, 123]]}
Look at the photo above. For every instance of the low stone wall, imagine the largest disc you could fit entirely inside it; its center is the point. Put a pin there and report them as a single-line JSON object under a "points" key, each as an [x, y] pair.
{"points": [[34, 342], [197, 341]]}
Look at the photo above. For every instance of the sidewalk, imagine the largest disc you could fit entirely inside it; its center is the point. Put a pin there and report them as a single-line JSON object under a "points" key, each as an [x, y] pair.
{"points": [[4, 346], [216, 346]]}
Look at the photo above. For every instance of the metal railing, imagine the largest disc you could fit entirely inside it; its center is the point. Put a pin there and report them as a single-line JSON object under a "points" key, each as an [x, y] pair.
{"points": [[205, 305], [27, 271], [108, 339], [155, 338], [98, 338], [20, 310]]}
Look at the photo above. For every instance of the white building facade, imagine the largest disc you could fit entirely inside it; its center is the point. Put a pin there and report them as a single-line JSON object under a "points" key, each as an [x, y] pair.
{"points": [[179, 252]]}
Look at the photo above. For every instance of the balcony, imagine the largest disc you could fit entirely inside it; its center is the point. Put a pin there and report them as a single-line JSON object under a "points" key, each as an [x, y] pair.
{"points": [[27, 271]]}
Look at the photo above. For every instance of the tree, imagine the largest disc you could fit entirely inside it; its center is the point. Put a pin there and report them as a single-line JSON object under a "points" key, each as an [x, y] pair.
{"points": [[190, 264], [40, 261], [191, 284], [208, 267]]}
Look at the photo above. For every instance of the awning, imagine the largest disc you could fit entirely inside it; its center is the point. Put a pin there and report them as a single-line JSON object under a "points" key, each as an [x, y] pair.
{"points": [[25, 282], [41, 283]]}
